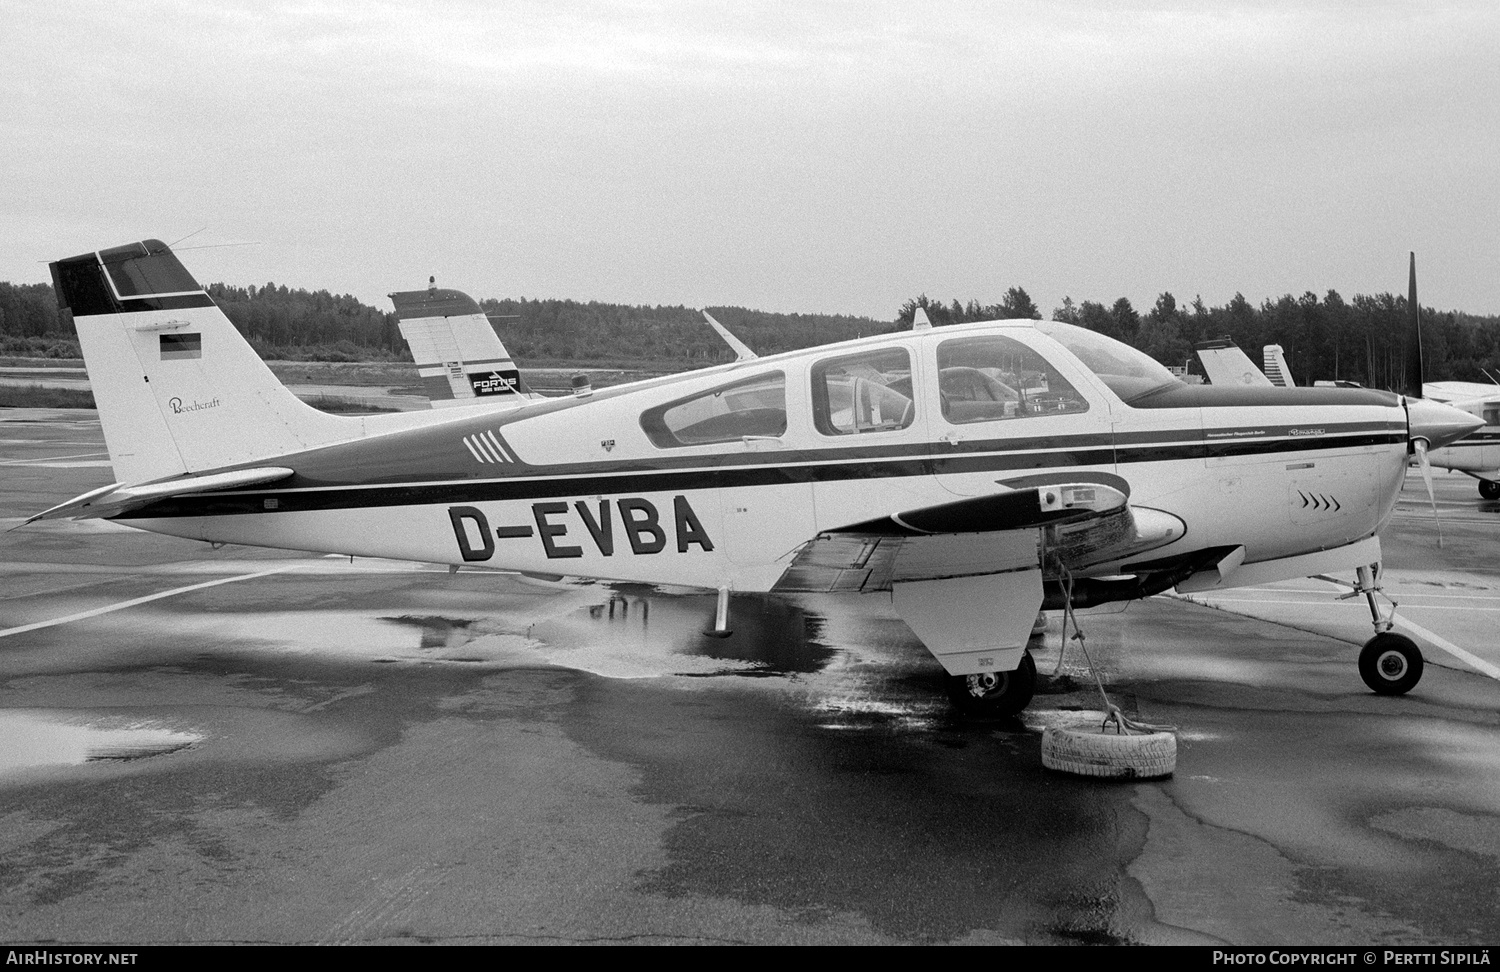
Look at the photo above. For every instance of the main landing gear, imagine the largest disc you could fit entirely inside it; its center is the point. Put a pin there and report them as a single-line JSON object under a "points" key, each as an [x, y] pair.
{"points": [[1489, 489], [1390, 663], [994, 694]]}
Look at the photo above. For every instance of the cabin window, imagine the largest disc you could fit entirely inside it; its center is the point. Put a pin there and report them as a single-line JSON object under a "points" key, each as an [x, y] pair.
{"points": [[1131, 374], [992, 378], [868, 392], [750, 407]]}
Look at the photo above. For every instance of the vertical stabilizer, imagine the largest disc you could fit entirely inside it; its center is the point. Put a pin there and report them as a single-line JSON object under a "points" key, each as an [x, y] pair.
{"points": [[459, 356], [178, 389], [1274, 360], [1225, 364]]}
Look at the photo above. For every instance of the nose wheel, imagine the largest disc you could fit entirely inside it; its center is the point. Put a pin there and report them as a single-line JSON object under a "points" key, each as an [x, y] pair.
{"points": [[1390, 663], [994, 694]]}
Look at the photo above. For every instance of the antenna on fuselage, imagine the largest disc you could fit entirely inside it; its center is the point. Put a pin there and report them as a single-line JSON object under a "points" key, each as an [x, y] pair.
{"points": [[919, 321], [742, 351]]}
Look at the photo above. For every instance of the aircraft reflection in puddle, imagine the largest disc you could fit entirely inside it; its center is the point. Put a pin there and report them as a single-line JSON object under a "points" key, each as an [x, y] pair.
{"points": [[880, 685], [36, 738], [438, 632], [771, 637]]}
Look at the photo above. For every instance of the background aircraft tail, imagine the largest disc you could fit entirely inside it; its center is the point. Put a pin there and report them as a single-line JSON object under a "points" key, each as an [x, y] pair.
{"points": [[459, 356], [1225, 364], [178, 389], [1274, 360]]}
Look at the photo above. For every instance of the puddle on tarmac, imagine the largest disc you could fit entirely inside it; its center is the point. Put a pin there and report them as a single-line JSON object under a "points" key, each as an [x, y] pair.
{"points": [[626, 632], [664, 634], [437, 632], [32, 738]]}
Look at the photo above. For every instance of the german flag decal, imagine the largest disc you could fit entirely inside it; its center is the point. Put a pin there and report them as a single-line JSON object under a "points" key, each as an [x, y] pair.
{"points": [[181, 346]]}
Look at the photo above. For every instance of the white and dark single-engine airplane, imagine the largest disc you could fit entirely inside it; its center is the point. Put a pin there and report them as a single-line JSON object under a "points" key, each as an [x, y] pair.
{"points": [[972, 474]]}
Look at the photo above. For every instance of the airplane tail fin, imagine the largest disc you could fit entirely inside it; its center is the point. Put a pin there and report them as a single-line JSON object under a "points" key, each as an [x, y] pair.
{"points": [[178, 389], [1225, 364], [459, 356], [1274, 361]]}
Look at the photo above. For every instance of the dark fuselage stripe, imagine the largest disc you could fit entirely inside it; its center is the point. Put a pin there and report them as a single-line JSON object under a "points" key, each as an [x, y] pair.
{"points": [[594, 480]]}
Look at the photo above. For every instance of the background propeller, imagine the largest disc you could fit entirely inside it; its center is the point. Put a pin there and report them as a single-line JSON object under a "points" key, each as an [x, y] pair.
{"points": [[1412, 379]]}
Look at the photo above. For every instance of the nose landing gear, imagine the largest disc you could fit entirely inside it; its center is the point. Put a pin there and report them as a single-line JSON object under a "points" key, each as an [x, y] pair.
{"points": [[1390, 663]]}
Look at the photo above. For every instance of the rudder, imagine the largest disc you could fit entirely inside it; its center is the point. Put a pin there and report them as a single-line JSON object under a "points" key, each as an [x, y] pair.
{"points": [[177, 388]]}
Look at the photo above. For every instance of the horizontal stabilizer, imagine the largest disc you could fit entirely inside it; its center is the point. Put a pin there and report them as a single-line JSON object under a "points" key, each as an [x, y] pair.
{"points": [[116, 498]]}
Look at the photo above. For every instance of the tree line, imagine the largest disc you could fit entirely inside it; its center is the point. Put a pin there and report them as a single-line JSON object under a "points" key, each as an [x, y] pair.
{"points": [[1327, 337], [296, 324]]}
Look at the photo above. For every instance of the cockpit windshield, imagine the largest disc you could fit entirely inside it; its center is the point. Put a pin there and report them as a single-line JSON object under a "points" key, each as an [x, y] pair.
{"points": [[1129, 373]]}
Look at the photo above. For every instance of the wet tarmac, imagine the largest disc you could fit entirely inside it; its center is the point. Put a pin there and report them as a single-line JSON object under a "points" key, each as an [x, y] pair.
{"points": [[244, 745]]}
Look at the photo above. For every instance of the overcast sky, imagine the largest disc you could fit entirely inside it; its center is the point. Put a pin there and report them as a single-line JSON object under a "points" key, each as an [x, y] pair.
{"points": [[815, 157]]}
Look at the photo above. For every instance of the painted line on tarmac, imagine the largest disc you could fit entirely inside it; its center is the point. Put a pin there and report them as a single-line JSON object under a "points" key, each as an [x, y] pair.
{"points": [[143, 600], [1478, 663], [42, 459], [1406, 601]]}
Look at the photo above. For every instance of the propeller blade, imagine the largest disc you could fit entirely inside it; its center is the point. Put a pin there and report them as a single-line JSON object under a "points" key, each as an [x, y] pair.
{"points": [[1420, 447], [1412, 371]]}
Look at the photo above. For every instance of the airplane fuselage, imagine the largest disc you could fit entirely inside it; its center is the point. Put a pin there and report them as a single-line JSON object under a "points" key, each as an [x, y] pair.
{"points": [[599, 486]]}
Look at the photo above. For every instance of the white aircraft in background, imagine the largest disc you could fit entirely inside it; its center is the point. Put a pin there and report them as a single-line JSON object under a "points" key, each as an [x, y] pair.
{"points": [[459, 357], [1224, 363], [972, 474], [1274, 362], [462, 360], [1476, 454]]}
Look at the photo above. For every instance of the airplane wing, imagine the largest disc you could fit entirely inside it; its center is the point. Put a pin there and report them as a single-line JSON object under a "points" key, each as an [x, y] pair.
{"points": [[939, 562], [117, 497], [1454, 392], [1225, 364], [1085, 522], [459, 356]]}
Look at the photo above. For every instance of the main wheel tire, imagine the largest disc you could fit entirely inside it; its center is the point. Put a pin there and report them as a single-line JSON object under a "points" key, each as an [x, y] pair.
{"points": [[1088, 752], [994, 694], [1391, 664], [1489, 489]]}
